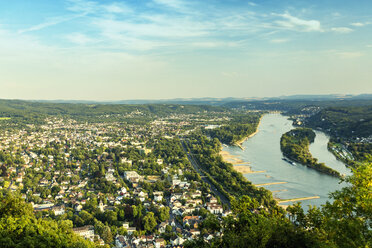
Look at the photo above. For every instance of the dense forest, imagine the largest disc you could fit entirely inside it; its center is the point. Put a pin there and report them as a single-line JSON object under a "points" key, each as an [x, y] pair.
{"points": [[295, 145], [344, 122], [238, 128]]}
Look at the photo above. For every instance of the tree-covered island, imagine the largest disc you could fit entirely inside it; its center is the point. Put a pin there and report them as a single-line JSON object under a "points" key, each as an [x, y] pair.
{"points": [[295, 146]]}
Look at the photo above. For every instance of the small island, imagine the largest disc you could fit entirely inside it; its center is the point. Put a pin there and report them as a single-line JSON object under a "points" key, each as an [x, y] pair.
{"points": [[295, 146]]}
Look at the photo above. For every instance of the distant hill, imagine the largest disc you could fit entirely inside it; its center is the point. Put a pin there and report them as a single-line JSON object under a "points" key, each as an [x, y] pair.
{"points": [[219, 101], [349, 122]]}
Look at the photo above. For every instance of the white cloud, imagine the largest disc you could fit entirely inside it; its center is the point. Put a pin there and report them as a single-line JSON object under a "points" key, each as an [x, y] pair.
{"points": [[342, 30], [252, 4], [82, 6], [117, 8], [49, 23], [349, 55], [295, 23], [277, 41], [78, 38], [357, 24], [214, 44], [176, 4]]}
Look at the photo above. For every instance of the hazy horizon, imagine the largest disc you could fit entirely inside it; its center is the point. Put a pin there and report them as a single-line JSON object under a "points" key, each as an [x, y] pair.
{"points": [[166, 49], [201, 99]]}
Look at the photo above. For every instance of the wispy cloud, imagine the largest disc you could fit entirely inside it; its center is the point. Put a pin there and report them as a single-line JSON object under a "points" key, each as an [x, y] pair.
{"points": [[360, 24], [277, 41], [342, 30], [79, 38], [84, 6], [297, 24], [357, 24], [50, 22], [117, 8], [349, 55], [175, 4]]}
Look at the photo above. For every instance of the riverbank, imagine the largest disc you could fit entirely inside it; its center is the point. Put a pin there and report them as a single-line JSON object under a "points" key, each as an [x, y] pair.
{"points": [[228, 158], [239, 143], [238, 164], [246, 169]]}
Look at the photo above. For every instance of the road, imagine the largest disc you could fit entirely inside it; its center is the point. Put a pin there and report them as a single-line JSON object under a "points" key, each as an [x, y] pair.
{"points": [[196, 166]]}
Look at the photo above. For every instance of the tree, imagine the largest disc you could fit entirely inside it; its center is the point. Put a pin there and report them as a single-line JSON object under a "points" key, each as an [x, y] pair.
{"points": [[347, 220], [149, 222], [164, 214], [107, 235], [20, 228]]}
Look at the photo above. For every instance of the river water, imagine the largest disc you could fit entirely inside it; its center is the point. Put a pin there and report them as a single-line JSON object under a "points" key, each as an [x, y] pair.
{"points": [[264, 154]]}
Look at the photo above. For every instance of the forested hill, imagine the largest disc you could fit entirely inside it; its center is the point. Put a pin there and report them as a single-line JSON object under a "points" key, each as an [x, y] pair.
{"points": [[298, 106], [348, 122], [36, 111]]}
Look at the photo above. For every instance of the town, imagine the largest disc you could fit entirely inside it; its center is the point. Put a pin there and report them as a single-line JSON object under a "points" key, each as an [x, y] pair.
{"points": [[123, 185]]}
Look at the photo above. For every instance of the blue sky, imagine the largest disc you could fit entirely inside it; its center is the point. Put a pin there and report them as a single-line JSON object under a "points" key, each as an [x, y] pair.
{"points": [[156, 49]]}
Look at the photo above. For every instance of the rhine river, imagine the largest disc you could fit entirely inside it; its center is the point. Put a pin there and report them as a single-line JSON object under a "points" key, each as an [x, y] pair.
{"points": [[263, 153]]}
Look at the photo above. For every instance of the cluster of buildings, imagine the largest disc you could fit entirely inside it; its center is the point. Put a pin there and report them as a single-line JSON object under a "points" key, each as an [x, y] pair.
{"points": [[48, 164]]}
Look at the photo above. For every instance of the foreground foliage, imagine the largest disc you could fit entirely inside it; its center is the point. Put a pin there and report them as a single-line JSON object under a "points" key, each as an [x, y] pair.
{"points": [[20, 228]]}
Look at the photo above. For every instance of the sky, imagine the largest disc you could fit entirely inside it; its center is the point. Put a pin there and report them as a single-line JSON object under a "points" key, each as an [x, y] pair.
{"points": [[163, 49]]}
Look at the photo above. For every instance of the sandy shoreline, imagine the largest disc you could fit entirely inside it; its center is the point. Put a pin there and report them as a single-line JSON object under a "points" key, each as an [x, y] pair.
{"points": [[245, 169], [240, 142], [238, 164], [242, 166]]}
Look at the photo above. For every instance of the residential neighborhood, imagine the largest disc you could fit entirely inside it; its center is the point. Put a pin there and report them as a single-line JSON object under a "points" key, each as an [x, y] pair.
{"points": [[120, 185]]}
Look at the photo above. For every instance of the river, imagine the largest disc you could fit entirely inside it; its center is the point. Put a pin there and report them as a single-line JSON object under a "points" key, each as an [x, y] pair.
{"points": [[263, 153]]}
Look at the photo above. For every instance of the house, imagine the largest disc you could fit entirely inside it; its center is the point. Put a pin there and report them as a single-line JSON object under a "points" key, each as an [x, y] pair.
{"points": [[192, 221], [125, 160], [214, 208], [110, 176], [207, 237], [132, 176], [175, 181], [177, 241], [212, 199], [86, 232], [194, 232], [162, 226], [195, 194], [159, 243], [158, 196], [175, 196], [58, 210], [78, 207], [120, 241], [131, 230]]}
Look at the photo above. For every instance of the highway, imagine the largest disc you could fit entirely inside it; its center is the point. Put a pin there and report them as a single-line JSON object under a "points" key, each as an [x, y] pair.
{"points": [[196, 166]]}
